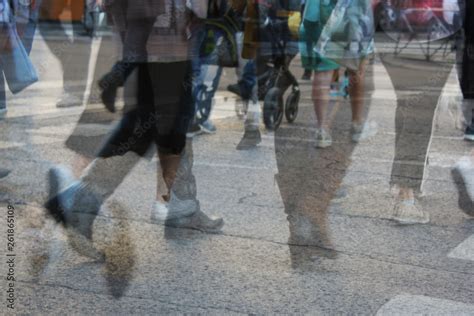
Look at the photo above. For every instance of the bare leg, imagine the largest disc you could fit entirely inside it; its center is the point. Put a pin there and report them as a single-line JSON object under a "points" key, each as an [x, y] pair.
{"points": [[321, 87], [169, 166], [356, 92]]}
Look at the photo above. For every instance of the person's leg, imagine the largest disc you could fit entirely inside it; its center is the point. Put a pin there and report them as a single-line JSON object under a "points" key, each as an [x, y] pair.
{"points": [[74, 53], [310, 34], [356, 92], [418, 85], [463, 176], [320, 96], [359, 129], [75, 204], [466, 76], [179, 207], [135, 40], [248, 79], [252, 137], [3, 96]]}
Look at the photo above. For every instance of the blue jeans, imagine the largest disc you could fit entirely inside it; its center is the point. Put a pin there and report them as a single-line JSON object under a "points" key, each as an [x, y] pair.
{"points": [[248, 79]]}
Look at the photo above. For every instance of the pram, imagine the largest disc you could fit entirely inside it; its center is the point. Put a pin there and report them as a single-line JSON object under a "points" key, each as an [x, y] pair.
{"points": [[277, 49], [217, 49]]}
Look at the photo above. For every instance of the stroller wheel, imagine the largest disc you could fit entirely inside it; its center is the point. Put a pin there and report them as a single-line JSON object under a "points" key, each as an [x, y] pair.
{"points": [[203, 104], [291, 106], [273, 109]]}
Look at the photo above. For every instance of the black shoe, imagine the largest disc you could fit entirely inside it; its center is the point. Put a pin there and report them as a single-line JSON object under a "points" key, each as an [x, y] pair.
{"points": [[194, 130], [469, 133], [235, 88], [250, 140], [108, 94]]}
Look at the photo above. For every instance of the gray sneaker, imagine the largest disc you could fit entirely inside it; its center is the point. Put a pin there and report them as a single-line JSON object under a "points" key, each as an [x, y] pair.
{"points": [[173, 209], [407, 213], [250, 140], [323, 138], [198, 221], [68, 100]]}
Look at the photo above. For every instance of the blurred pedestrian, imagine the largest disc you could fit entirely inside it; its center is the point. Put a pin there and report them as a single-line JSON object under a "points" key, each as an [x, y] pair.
{"points": [[161, 116]]}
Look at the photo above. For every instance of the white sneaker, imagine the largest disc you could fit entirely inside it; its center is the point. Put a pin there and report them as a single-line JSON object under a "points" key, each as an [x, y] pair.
{"points": [[406, 213], [363, 131], [68, 100], [323, 138], [173, 209]]}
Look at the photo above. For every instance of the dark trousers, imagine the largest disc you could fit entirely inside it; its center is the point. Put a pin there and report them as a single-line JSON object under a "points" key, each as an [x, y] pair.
{"points": [[418, 85], [162, 115]]}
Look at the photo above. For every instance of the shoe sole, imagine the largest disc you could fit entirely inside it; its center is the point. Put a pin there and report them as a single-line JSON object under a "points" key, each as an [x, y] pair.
{"points": [[463, 196], [401, 221], [213, 230], [323, 144], [247, 147]]}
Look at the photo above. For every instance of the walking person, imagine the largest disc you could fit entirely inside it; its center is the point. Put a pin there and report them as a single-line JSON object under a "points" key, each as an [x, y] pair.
{"points": [[418, 80], [25, 16], [315, 17], [161, 116], [72, 49], [463, 171]]}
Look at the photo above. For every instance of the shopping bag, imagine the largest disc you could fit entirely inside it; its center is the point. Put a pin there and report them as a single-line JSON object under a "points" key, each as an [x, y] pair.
{"points": [[348, 36], [16, 64]]}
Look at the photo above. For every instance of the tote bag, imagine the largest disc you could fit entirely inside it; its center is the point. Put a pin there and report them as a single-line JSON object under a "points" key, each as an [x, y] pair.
{"points": [[348, 36], [16, 64]]}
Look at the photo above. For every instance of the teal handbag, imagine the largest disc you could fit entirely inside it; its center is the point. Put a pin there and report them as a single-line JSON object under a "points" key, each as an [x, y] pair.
{"points": [[348, 36]]}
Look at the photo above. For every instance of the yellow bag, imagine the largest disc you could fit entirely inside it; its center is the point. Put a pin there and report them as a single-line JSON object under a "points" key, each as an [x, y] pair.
{"points": [[294, 21]]}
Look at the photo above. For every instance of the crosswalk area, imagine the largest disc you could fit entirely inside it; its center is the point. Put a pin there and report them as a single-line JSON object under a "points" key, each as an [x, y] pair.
{"points": [[307, 231]]}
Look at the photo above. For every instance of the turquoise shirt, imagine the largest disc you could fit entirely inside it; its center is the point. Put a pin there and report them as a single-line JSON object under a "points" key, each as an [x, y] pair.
{"points": [[311, 11]]}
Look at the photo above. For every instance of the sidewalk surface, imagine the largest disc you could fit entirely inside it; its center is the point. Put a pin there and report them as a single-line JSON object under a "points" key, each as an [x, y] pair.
{"points": [[347, 259]]}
